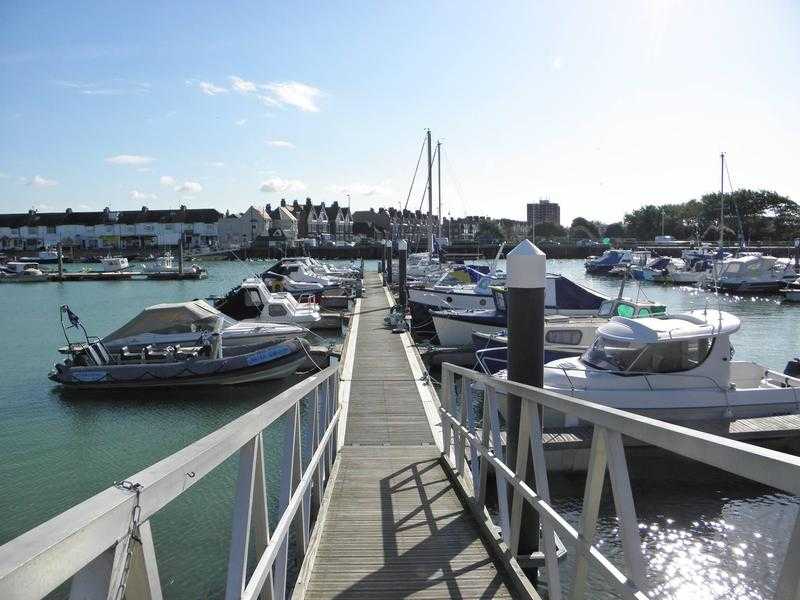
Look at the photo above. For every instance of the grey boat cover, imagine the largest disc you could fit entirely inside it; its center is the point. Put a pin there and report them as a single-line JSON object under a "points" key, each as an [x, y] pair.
{"points": [[179, 317]]}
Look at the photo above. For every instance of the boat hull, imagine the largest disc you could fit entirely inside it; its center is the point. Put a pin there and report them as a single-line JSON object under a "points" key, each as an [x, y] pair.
{"points": [[274, 362]]}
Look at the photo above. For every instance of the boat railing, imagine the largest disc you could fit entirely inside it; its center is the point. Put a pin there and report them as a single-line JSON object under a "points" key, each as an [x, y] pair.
{"points": [[645, 375], [104, 545], [470, 449]]}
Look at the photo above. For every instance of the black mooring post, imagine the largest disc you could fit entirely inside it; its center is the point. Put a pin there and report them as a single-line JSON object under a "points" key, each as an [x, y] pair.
{"points": [[797, 256], [526, 268], [389, 260], [402, 251]]}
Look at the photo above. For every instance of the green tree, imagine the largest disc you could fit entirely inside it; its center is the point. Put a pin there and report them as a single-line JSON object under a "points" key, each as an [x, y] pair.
{"points": [[757, 215], [489, 231], [581, 223], [615, 230], [549, 230]]}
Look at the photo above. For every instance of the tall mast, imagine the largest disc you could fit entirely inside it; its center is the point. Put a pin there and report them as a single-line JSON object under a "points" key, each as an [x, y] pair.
{"points": [[439, 169], [430, 194], [722, 200]]}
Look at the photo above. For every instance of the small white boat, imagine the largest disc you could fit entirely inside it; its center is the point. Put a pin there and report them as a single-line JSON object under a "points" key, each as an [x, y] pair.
{"points": [[113, 264], [22, 272], [162, 264], [252, 302], [753, 273], [44, 257], [677, 369]]}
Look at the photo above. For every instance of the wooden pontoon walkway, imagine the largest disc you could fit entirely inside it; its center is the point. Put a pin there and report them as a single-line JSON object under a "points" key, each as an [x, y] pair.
{"points": [[395, 527]]}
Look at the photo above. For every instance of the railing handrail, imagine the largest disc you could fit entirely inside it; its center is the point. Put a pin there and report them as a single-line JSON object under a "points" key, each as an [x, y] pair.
{"points": [[770, 467], [485, 450], [42, 558]]}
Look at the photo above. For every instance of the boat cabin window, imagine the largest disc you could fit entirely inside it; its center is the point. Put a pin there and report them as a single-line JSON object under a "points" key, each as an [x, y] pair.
{"points": [[252, 298], [567, 337], [276, 310], [635, 357], [733, 268]]}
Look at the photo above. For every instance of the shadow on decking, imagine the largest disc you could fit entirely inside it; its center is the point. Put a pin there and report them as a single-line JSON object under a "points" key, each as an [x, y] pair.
{"points": [[434, 549]]}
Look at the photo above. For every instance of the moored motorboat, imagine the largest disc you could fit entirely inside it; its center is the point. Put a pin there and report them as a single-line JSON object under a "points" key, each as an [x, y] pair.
{"points": [[600, 265], [454, 328], [184, 323], [22, 272], [678, 369], [753, 273], [792, 291], [253, 302], [92, 366]]}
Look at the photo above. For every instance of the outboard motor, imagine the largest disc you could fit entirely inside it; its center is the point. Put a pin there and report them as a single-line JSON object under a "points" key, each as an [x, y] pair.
{"points": [[793, 368]]}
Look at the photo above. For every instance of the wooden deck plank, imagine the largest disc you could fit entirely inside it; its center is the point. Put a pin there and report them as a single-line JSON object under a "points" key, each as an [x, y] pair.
{"points": [[395, 527]]}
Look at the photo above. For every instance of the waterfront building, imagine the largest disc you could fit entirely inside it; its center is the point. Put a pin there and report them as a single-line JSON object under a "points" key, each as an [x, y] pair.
{"points": [[109, 229], [543, 212], [243, 229]]}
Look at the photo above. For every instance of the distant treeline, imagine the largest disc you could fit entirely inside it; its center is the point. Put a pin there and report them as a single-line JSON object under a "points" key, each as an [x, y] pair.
{"points": [[759, 215]]}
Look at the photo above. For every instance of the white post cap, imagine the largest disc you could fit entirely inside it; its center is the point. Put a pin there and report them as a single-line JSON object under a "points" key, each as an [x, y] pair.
{"points": [[526, 266], [402, 245]]}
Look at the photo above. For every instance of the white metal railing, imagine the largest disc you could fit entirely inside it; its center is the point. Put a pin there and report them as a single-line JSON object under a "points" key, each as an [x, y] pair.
{"points": [[105, 544], [461, 436]]}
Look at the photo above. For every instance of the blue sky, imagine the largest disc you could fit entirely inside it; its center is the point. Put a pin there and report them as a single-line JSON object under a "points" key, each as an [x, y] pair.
{"points": [[601, 107]]}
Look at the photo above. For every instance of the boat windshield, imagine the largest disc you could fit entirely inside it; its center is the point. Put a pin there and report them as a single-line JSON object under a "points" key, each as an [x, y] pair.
{"points": [[636, 357]]}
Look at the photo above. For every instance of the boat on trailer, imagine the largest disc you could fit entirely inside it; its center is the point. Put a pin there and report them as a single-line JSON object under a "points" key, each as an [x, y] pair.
{"points": [[91, 365]]}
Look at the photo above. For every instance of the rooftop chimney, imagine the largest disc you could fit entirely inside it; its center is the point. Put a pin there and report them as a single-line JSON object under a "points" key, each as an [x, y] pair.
{"points": [[283, 201]]}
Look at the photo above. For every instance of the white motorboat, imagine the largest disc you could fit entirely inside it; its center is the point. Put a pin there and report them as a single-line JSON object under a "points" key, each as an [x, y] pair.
{"points": [[163, 264], [454, 328], [658, 269], [562, 296], [184, 323], [253, 302], [43, 257], [677, 369], [113, 264], [22, 272], [301, 272], [284, 283], [753, 273]]}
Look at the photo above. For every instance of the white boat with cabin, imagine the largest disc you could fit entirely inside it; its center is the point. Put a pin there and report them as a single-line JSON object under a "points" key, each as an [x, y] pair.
{"points": [[253, 302], [678, 369], [22, 272]]}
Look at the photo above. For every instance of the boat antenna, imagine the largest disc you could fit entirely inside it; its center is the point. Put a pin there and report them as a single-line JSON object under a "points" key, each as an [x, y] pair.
{"points": [[430, 194], [722, 201]]}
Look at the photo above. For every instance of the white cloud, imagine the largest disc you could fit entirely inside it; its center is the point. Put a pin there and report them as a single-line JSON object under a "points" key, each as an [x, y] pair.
{"points": [[209, 89], [129, 159], [137, 195], [189, 186], [216, 164], [241, 122], [557, 63], [242, 85], [167, 181], [362, 189], [280, 144], [112, 87], [276, 184], [293, 93], [40, 182]]}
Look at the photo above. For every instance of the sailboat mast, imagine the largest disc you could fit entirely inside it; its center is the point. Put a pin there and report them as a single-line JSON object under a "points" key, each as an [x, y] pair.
{"points": [[722, 200], [430, 194], [439, 185]]}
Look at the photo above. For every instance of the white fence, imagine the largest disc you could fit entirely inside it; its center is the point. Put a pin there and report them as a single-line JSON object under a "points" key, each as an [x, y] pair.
{"points": [[469, 455], [105, 544]]}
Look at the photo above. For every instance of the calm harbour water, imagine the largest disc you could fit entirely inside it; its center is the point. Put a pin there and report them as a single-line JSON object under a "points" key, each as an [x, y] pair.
{"points": [[706, 535]]}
